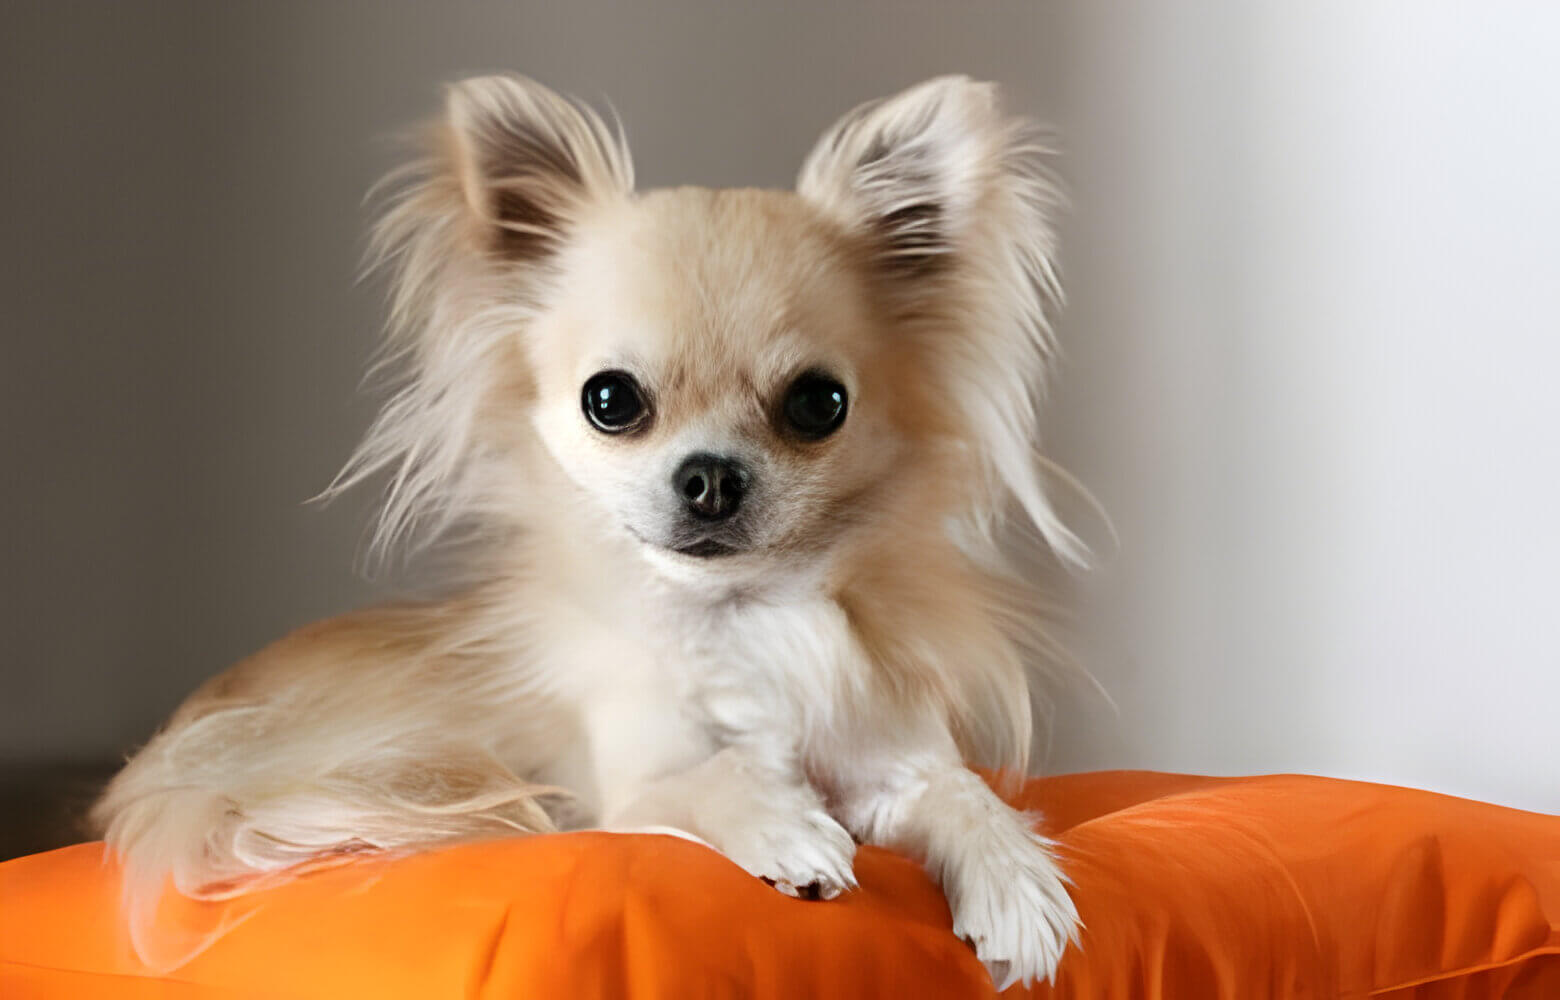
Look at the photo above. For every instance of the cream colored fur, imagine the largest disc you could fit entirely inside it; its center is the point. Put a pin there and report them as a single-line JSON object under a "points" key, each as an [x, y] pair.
{"points": [[828, 682]]}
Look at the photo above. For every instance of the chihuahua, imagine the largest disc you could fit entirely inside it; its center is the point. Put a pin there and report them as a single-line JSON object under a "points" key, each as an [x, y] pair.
{"points": [[728, 474]]}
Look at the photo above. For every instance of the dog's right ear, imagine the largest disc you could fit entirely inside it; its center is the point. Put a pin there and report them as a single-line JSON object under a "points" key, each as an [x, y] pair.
{"points": [[530, 161], [512, 169]]}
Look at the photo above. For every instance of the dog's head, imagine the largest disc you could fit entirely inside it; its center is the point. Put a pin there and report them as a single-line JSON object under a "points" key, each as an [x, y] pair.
{"points": [[731, 378]]}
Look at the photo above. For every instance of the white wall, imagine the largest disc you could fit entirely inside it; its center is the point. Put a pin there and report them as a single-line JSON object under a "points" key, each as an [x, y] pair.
{"points": [[1315, 344]]}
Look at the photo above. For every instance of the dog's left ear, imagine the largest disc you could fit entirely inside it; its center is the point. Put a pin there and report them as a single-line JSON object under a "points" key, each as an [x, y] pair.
{"points": [[913, 171], [955, 208]]}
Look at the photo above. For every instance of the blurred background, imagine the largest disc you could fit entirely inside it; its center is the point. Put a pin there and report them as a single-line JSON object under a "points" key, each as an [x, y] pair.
{"points": [[1312, 344]]}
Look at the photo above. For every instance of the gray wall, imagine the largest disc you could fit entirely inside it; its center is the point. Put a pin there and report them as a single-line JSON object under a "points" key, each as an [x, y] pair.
{"points": [[183, 337]]}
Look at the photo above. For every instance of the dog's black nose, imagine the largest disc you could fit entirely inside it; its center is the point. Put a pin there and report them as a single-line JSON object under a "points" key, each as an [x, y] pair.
{"points": [[711, 486]]}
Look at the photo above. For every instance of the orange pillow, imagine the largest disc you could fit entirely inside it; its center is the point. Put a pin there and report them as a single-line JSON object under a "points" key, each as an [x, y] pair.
{"points": [[1189, 888]]}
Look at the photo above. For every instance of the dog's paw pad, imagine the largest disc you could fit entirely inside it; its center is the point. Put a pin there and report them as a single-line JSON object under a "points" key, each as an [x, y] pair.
{"points": [[817, 889], [1001, 972]]}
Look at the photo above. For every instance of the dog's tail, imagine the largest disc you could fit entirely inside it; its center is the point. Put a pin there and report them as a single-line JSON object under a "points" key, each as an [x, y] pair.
{"points": [[236, 795]]}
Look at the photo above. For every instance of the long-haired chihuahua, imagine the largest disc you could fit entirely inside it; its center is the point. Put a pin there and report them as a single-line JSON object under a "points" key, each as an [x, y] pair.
{"points": [[730, 471]]}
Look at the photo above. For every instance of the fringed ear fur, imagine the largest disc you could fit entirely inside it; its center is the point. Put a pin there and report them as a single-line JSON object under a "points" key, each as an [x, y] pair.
{"points": [[955, 206], [909, 169], [529, 160]]}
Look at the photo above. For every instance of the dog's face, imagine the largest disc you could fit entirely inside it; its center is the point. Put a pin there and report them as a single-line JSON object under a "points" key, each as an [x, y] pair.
{"points": [[712, 371]]}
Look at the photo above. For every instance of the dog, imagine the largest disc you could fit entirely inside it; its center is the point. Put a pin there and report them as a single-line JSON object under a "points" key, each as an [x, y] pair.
{"points": [[727, 473]]}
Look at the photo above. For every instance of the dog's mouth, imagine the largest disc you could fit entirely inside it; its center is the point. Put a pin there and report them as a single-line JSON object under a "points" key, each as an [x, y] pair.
{"points": [[705, 548]]}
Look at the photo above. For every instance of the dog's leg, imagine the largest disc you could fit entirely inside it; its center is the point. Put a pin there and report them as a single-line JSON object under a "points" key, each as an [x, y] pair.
{"points": [[759, 811], [1007, 894]]}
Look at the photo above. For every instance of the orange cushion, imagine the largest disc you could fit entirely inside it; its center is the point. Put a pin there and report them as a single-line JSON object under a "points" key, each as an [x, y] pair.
{"points": [[1189, 887]]}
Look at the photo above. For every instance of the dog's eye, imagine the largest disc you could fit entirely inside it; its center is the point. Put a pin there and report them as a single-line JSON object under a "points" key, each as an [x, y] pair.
{"points": [[613, 402], [814, 406]]}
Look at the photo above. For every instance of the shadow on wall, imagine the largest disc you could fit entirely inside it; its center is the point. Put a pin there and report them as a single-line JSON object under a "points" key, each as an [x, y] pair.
{"points": [[42, 805]]}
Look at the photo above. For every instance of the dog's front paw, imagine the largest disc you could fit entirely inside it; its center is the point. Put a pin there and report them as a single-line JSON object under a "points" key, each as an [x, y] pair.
{"points": [[793, 845], [1012, 905]]}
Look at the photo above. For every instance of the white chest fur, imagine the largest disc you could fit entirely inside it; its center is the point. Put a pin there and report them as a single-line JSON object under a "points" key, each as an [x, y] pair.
{"points": [[662, 691]]}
